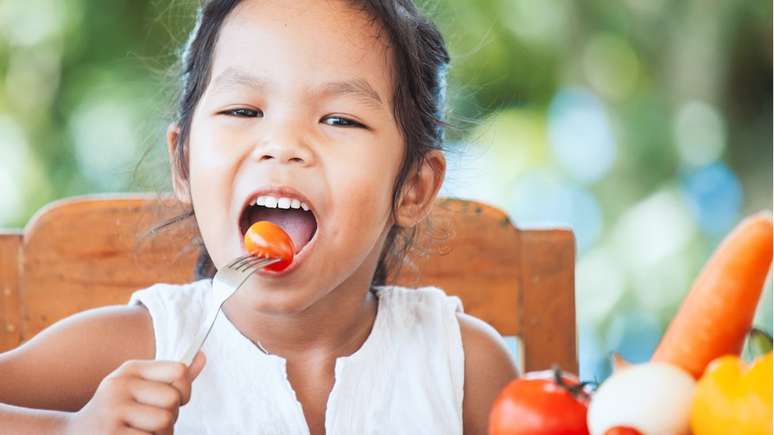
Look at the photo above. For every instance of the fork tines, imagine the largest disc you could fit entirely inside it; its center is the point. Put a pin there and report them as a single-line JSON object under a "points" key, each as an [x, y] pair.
{"points": [[248, 262]]}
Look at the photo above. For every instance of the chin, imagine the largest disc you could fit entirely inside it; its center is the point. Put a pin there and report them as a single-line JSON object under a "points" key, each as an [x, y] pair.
{"points": [[275, 301]]}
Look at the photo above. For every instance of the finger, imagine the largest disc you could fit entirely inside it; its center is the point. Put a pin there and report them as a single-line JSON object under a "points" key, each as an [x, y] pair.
{"points": [[132, 431], [148, 418], [197, 365], [174, 373], [161, 371], [184, 385], [156, 394]]}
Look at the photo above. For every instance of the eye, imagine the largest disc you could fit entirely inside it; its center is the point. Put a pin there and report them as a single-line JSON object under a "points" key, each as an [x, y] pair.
{"points": [[338, 121], [243, 112]]}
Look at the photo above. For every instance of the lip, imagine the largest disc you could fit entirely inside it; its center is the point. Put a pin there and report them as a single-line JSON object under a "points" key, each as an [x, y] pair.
{"points": [[277, 191]]}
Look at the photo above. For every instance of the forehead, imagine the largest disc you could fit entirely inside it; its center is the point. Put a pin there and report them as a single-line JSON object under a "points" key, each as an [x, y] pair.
{"points": [[304, 43]]}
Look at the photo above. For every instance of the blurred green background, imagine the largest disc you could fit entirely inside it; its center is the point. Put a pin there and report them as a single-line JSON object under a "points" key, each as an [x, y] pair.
{"points": [[645, 125]]}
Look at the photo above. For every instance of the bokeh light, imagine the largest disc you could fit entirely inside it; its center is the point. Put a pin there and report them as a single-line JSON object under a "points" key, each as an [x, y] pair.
{"points": [[699, 133], [611, 66], [580, 134], [99, 124], [714, 195], [541, 198]]}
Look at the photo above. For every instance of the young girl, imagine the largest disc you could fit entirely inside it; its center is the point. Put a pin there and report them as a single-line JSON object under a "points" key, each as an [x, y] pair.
{"points": [[324, 117]]}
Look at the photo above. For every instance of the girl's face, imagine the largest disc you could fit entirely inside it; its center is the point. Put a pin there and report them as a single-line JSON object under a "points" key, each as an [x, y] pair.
{"points": [[298, 106]]}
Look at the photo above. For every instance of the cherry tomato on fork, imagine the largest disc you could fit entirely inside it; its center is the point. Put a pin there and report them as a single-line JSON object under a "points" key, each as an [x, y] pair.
{"points": [[269, 240]]}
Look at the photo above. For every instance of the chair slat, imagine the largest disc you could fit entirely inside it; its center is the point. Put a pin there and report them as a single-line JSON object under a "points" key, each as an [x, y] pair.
{"points": [[547, 305], [88, 252], [10, 301]]}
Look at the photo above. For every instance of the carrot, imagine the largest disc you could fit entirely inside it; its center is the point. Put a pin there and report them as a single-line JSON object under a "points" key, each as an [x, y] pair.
{"points": [[718, 311]]}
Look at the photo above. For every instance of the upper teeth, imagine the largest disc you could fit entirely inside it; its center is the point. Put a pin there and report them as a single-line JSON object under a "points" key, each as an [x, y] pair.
{"points": [[281, 202]]}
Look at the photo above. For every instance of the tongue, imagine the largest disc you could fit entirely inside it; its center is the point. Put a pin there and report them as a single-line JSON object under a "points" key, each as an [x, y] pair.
{"points": [[299, 224]]}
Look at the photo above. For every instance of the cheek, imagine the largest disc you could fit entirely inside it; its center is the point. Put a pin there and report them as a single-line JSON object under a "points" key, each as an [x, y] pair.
{"points": [[362, 191], [210, 192]]}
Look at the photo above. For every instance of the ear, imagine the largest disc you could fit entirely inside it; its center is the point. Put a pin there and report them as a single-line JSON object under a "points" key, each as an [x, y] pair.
{"points": [[179, 182], [420, 190]]}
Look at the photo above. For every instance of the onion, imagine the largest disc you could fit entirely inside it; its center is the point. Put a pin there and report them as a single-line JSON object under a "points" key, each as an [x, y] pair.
{"points": [[653, 398]]}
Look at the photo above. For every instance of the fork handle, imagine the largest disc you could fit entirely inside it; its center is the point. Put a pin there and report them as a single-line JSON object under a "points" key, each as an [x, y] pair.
{"points": [[189, 355], [221, 295]]}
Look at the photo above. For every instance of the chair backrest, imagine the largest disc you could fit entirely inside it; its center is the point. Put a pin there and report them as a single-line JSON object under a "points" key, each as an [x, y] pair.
{"points": [[86, 252]]}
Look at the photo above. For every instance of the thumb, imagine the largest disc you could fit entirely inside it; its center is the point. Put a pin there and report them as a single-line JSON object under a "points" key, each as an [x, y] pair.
{"points": [[197, 365]]}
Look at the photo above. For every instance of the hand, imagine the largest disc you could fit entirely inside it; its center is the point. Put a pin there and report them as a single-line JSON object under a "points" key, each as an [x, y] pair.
{"points": [[139, 397]]}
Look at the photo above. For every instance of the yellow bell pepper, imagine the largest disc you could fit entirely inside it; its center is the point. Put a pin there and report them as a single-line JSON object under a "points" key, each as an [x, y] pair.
{"points": [[734, 398]]}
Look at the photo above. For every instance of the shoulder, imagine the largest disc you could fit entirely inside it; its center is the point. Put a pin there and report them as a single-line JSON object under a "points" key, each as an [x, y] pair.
{"points": [[484, 349], [182, 295], [175, 310], [489, 366], [173, 305], [418, 301], [127, 328]]}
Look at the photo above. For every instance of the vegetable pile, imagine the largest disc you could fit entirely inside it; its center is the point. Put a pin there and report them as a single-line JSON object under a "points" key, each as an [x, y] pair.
{"points": [[696, 382]]}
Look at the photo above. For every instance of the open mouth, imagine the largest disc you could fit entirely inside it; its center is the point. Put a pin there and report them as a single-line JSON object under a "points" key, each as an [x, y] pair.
{"points": [[291, 214]]}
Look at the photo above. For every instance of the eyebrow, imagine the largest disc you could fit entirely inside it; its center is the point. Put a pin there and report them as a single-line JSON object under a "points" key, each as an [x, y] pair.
{"points": [[234, 78], [358, 88]]}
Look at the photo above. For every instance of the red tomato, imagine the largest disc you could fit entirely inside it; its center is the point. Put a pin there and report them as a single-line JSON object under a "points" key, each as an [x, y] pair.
{"points": [[266, 239], [541, 403], [622, 430]]}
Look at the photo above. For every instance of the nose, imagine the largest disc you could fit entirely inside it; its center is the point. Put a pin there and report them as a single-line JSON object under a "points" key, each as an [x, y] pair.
{"points": [[285, 147]]}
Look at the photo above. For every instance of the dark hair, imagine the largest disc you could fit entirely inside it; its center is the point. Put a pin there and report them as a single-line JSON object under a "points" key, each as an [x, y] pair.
{"points": [[420, 61]]}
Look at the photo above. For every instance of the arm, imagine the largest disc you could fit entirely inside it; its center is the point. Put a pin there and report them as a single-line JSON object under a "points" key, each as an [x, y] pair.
{"points": [[61, 368], [489, 367], [20, 420]]}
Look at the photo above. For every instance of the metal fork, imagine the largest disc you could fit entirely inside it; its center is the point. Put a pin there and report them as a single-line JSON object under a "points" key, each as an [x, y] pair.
{"points": [[224, 284]]}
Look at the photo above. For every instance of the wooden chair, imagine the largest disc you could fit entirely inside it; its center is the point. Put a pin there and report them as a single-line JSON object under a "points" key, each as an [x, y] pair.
{"points": [[86, 252]]}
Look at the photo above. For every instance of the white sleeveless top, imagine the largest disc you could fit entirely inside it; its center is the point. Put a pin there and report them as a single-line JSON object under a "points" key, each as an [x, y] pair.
{"points": [[406, 378]]}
